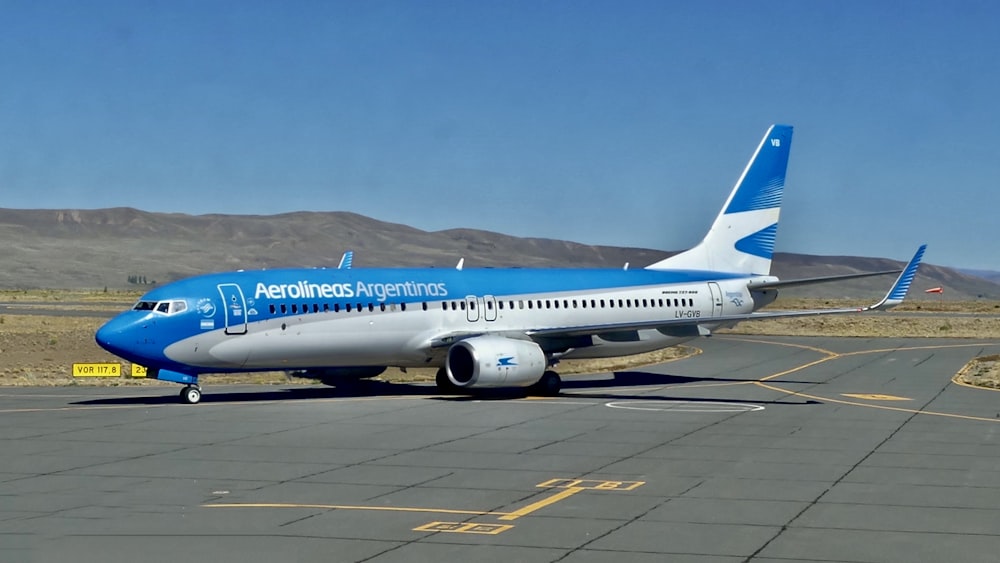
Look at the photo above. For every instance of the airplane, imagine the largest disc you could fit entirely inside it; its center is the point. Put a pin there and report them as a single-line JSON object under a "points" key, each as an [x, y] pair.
{"points": [[481, 327]]}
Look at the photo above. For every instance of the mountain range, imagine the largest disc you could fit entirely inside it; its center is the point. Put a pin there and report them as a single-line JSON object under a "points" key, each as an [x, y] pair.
{"points": [[121, 248]]}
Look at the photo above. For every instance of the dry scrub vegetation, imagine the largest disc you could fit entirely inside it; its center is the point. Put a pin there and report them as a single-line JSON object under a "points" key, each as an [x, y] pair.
{"points": [[40, 350]]}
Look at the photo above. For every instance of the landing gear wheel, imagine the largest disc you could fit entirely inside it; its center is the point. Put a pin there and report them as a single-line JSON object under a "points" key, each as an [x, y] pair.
{"points": [[548, 385], [190, 395], [444, 384]]}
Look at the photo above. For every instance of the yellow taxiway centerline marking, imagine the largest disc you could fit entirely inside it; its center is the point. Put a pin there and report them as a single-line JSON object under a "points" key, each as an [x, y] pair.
{"points": [[562, 494], [831, 355], [352, 507], [871, 406]]}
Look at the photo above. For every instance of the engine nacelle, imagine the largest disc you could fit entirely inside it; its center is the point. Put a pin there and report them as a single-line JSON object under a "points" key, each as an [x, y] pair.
{"points": [[495, 361], [338, 375]]}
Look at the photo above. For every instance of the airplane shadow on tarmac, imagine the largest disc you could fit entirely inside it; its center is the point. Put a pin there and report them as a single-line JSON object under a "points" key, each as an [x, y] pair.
{"points": [[370, 388]]}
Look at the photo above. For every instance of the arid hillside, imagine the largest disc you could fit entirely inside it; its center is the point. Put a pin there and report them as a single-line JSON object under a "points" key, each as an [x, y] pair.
{"points": [[124, 248]]}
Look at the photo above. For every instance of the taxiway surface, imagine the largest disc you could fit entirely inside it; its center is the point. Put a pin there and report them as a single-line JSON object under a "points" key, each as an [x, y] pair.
{"points": [[759, 449]]}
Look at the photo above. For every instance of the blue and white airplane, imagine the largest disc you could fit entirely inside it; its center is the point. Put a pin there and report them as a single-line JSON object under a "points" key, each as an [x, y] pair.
{"points": [[481, 327]]}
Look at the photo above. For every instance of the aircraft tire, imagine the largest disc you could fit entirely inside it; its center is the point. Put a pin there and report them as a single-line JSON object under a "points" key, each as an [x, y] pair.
{"points": [[548, 386], [444, 384], [190, 395]]}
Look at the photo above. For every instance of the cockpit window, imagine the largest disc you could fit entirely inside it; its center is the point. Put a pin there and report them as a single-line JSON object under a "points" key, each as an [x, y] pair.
{"points": [[166, 307]]}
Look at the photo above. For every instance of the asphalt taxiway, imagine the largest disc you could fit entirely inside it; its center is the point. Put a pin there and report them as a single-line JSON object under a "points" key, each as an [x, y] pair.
{"points": [[759, 449]]}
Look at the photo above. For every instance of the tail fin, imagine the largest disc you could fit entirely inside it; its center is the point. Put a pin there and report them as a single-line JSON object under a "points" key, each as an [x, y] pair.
{"points": [[742, 238], [346, 260]]}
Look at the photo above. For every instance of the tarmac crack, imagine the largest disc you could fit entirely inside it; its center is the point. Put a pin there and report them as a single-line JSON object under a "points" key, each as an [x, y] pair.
{"points": [[840, 479]]}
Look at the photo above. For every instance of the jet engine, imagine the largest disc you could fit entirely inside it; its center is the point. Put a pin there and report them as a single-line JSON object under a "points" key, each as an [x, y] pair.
{"points": [[495, 361]]}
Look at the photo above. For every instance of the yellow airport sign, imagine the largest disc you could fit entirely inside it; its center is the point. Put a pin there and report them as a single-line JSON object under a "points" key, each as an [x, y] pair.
{"points": [[97, 370], [138, 371]]}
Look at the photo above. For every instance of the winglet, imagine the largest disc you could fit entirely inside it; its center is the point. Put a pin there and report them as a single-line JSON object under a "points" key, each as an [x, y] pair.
{"points": [[899, 289], [345, 260]]}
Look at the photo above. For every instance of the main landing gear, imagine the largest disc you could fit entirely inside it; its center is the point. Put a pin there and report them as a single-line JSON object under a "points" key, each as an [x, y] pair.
{"points": [[548, 385], [190, 395]]}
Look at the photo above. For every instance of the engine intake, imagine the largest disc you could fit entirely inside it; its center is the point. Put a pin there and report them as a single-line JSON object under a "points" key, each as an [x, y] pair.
{"points": [[495, 361]]}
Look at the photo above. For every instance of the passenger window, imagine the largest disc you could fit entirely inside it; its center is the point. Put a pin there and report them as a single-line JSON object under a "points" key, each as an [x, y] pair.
{"points": [[295, 308], [424, 306], [336, 307], [548, 304], [462, 305], [284, 308], [326, 307], [348, 307], [271, 307], [402, 306], [557, 303], [381, 306], [371, 307]]}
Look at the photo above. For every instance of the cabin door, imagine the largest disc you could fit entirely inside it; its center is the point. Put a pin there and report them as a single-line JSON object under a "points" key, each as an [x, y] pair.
{"points": [[235, 306], [716, 292]]}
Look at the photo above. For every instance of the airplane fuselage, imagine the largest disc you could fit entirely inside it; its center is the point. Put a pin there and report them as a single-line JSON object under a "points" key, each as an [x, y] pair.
{"points": [[318, 318]]}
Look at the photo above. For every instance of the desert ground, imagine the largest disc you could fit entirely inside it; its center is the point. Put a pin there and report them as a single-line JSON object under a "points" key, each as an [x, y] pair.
{"points": [[44, 332]]}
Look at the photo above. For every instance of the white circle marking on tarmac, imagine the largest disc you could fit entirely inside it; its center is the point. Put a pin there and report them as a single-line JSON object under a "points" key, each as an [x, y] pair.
{"points": [[684, 406]]}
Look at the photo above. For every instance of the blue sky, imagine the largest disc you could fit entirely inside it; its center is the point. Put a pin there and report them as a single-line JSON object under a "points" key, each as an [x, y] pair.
{"points": [[622, 123]]}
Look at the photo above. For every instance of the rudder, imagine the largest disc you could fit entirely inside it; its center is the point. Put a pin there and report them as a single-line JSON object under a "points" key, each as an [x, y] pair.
{"points": [[742, 237]]}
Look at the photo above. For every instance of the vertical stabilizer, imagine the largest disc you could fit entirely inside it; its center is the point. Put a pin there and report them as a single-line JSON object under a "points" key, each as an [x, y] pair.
{"points": [[742, 237]]}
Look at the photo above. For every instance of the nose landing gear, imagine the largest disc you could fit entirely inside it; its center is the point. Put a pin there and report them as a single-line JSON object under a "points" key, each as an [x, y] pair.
{"points": [[190, 395]]}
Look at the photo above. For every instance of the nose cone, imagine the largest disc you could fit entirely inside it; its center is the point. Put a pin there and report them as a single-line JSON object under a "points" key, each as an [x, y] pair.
{"points": [[119, 337]]}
